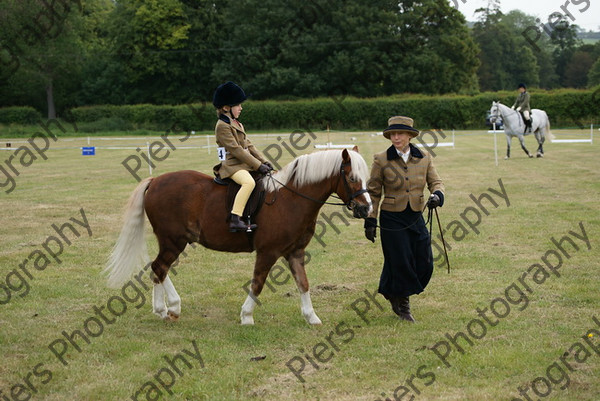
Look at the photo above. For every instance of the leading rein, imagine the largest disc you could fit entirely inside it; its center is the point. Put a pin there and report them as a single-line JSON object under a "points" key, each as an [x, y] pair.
{"points": [[351, 200]]}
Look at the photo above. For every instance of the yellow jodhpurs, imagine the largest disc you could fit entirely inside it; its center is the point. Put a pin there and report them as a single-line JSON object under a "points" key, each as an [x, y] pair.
{"points": [[243, 178]]}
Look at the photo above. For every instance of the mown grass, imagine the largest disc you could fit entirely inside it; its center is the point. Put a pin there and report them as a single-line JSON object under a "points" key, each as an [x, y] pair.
{"points": [[548, 197]]}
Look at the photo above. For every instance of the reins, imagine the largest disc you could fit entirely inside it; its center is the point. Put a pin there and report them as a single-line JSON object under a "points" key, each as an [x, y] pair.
{"points": [[441, 233], [270, 177], [346, 186]]}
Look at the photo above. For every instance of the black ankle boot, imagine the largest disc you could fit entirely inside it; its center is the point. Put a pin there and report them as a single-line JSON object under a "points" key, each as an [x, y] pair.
{"points": [[404, 306], [237, 224], [395, 302]]}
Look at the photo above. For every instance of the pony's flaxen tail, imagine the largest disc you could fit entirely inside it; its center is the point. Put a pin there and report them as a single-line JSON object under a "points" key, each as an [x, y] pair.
{"points": [[130, 253]]}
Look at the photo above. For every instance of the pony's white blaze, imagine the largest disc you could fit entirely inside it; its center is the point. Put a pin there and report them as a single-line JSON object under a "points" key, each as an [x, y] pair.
{"points": [[368, 198], [307, 309]]}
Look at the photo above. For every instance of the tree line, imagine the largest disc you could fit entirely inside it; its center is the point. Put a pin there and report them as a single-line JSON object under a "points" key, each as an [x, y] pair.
{"points": [[59, 54]]}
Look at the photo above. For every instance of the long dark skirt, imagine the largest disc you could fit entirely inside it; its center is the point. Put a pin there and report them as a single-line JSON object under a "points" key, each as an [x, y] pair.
{"points": [[408, 260]]}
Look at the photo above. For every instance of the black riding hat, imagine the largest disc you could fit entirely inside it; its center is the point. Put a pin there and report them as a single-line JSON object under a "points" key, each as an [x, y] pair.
{"points": [[521, 85], [228, 94]]}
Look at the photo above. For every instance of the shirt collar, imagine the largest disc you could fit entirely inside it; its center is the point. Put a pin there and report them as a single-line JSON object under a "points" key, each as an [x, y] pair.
{"points": [[392, 153]]}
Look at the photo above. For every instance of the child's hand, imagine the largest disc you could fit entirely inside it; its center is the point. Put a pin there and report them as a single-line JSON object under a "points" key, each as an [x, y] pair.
{"points": [[264, 168]]}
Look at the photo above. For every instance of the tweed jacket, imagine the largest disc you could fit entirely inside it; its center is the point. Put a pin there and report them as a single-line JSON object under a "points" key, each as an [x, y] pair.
{"points": [[402, 184], [523, 102], [241, 154]]}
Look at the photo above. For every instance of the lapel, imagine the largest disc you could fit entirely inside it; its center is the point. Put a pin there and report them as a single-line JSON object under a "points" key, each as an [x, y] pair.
{"points": [[392, 153]]}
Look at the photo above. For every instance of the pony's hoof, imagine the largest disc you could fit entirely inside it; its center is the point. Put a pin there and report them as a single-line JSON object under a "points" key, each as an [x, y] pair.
{"points": [[540, 155], [530, 155], [506, 157], [171, 317], [313, 320], [247, 320]]}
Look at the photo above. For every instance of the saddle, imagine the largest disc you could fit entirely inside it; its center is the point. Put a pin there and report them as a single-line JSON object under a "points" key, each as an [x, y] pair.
{"points": [[255, 202], [525, 121]]}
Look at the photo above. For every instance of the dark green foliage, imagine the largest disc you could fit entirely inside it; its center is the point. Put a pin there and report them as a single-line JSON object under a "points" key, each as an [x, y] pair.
{"points": [[19, 115], [564, 107], [337, 47], [178, 51]]}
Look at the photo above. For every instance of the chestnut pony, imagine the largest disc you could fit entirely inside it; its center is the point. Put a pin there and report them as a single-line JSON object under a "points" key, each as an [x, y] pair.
{"points": [[186, 207]]}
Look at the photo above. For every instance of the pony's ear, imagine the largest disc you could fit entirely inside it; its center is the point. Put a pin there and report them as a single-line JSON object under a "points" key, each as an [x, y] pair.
{"points": [[355, 149], [345, 156]]}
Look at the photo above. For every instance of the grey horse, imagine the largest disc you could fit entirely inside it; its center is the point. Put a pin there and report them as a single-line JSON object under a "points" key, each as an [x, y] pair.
{"points": [[514, 126]]}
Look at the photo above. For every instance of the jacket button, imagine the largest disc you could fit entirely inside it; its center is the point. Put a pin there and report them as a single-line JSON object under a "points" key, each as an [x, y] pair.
{"points": [[406, 178], [408, 190]]}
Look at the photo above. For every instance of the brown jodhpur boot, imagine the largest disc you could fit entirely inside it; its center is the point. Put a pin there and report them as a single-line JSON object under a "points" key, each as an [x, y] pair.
{"points": [[401, 307]]}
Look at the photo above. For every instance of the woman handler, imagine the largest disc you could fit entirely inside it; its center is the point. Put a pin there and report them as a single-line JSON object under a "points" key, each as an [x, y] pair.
{"points": [[399, 175], [237, 154]]}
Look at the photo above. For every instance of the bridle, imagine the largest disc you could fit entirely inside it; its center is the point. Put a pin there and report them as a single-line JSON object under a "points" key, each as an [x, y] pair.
{"points": [[349, 204], [496, 114]]}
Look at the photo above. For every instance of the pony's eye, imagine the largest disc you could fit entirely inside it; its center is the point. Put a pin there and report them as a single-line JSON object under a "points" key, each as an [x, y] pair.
{"points": [[352, 180]]}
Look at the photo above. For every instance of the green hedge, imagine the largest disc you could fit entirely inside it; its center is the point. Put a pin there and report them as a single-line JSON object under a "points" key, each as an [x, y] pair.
{"points": [[566, 108], [19, 115]]}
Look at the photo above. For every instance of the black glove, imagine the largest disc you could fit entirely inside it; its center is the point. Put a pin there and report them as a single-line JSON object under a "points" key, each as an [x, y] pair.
{"points": [[434, 201], [371, 228], [264, 168], [269, 164]]}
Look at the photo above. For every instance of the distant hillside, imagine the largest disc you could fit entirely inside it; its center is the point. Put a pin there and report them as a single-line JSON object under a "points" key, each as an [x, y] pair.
{"points": [[589, 37]]}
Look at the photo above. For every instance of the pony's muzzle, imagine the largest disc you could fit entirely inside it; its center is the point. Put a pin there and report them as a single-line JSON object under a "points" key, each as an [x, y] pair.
{"points": [[360, 211]]}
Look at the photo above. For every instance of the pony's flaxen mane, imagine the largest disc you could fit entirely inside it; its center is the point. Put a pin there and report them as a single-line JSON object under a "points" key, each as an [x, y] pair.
{"points": [[315, 167]]}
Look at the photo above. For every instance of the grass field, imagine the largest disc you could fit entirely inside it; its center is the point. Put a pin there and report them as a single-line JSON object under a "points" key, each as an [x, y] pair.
{"points": [[500, 321]]}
